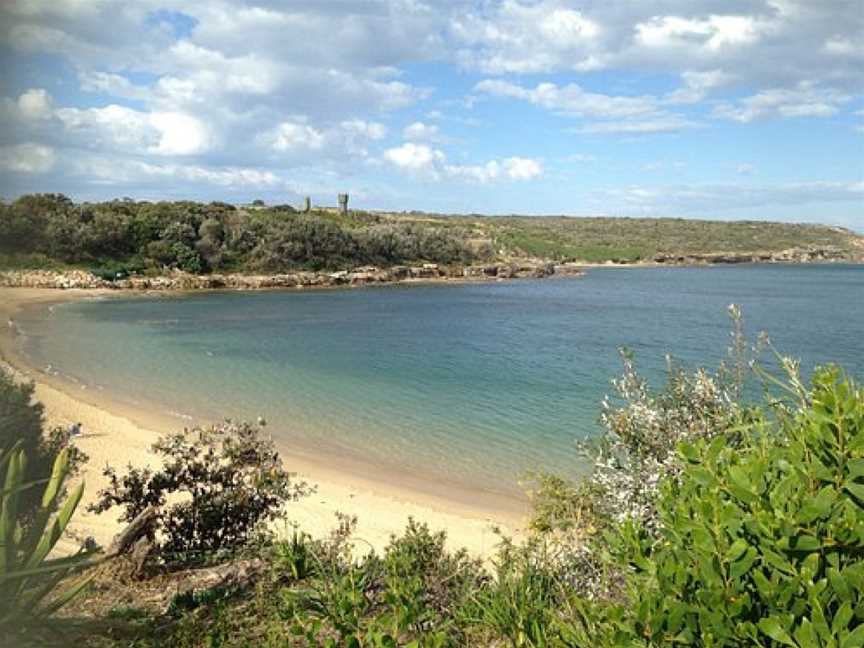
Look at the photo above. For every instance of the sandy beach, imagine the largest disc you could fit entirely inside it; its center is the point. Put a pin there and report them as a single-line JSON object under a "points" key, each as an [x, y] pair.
{"points": [[116, 434]]}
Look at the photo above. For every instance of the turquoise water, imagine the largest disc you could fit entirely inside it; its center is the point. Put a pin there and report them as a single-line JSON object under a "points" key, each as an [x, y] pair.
{"points": [[470, 383]]}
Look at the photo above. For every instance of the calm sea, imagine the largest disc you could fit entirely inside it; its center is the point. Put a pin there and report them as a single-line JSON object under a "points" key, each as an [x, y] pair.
{"points": [[472, 383]]}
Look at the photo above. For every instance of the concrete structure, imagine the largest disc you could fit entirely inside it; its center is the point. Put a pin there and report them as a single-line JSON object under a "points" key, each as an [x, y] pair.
{"points": [[343, 203], [307, 204]]}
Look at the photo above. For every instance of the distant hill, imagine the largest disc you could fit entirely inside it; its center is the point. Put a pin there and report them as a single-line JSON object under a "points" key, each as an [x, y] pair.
{"points": [[125, 236], [600, 239]]}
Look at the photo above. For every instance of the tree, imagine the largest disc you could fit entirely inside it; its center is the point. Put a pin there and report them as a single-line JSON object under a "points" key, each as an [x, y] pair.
{"points": [[223, 482], [21, 428]]}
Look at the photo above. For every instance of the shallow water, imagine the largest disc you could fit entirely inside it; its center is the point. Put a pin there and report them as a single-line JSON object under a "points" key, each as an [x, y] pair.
{"points": [[470, 383]]}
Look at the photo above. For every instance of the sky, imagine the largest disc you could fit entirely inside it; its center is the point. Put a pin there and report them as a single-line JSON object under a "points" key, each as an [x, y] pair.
{"points": [[724, 109]]}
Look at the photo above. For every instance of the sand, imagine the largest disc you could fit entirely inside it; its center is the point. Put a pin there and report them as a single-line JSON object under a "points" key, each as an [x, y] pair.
{"points": [[117, 435]]}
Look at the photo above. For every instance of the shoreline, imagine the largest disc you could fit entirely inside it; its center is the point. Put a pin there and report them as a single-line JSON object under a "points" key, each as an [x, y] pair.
{"points": [[426, 274], [120, 434]]}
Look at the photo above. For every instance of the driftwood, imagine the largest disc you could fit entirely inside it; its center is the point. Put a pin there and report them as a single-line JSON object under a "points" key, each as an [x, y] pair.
{"points": [[238, 573], [136, 543], [142, 527]]}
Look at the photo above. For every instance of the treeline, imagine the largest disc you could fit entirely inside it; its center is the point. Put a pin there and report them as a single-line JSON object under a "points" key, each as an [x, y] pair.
{"points": [[128, 236]]}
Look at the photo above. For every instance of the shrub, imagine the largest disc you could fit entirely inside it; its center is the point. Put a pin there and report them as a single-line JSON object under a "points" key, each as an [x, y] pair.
{"points": [[760, 544], [520, 605], [223, 482], [412, 595], [21, 427]]}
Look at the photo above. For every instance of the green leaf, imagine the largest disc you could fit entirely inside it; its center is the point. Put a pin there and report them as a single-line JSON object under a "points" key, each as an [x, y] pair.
{"points": [[52, 534], [819, 506], [803, 542], [856, 468], [839, 584], [736, 550], [805, 635], [773, 628], [857, 490], [855, 639]]}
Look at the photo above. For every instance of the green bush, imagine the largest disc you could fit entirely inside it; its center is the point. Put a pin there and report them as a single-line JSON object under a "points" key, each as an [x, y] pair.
{"points": [[22, 427], [761, 544], [224, 482], [410, 596]]}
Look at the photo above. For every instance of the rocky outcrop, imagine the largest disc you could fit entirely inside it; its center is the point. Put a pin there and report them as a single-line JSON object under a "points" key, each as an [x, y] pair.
{"points": [[810, 254], [356, 277]]}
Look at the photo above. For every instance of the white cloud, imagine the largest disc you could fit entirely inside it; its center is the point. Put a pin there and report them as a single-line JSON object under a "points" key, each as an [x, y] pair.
{"points": [[35, 103], [364, 129], [518, 37], [27, 158], [805, 100], [765, 43], [572, 99], [114, 85], [416, 158], [112, 126], [313, 89], [424, 161], [711, 199], [160, 133], [697, 85], [664, 123], [713, 33], [179, 134], [845, 47], [609, 113], [348, 138], [117, 171], [294, 136], [418, 132], [518, 168]]}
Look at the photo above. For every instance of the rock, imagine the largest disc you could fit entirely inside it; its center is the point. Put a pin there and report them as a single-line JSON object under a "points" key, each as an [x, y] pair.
{"points": [[426, 271], [568, 269]]}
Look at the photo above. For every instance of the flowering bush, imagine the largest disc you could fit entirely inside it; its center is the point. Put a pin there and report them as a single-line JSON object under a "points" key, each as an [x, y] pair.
{"points": [[760, 544]]}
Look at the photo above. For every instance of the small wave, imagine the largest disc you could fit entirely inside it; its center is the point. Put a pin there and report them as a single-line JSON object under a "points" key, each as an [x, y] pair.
{"points": [[181, 415]]}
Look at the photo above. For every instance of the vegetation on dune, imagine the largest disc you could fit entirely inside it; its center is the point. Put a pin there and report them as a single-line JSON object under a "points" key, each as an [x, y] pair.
{"points": [[45, 231], [708, 519]]}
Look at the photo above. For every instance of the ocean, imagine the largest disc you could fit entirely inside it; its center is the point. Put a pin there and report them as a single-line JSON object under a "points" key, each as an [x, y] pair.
{"points": [[473, 384]]}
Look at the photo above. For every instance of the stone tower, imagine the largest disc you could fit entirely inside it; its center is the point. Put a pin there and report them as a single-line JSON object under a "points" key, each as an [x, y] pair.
{"points": [[307, 204], [343, 203]]}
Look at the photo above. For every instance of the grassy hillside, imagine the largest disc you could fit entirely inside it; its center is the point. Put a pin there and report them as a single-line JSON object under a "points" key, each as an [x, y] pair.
{"points": [[51, 231], [598, 239]]}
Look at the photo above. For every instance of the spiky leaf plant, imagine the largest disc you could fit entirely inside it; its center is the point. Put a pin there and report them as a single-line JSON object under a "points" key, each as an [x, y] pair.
{"points": [[28, 576]]}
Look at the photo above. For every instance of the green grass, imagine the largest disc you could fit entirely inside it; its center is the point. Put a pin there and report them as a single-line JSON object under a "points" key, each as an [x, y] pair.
{"points": [[631, 239]]}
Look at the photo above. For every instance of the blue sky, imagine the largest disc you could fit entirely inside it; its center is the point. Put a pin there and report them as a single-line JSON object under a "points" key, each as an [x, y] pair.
{"points": [[703, 108]]}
